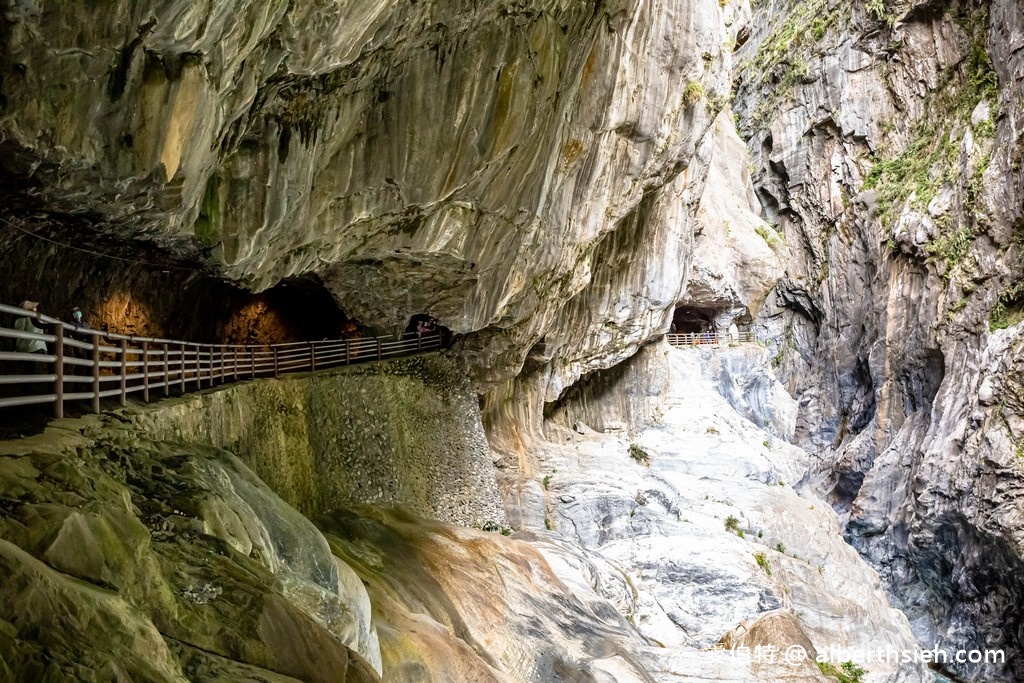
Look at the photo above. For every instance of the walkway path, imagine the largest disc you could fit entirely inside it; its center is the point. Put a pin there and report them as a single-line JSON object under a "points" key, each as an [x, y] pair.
{"points": [[709, 338], [82, 364]]}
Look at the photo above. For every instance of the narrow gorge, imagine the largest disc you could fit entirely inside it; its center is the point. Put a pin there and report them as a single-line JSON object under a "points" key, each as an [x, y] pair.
{"points": [[730, 296]]}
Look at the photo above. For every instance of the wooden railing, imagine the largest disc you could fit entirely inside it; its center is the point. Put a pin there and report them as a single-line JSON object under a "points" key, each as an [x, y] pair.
{"points": [[710, 338], [82, 364]]}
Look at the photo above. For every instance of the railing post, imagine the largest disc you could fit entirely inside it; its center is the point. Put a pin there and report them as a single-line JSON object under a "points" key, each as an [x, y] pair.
{"points": [[252, 363], [275, 362], [145, 371], [167, 373], [312, 356], [223, 365], [348, 351], [95, 373], [184, 389], [124, 372], [234, 354], [58, 383], [379, 355], [419, 342]]}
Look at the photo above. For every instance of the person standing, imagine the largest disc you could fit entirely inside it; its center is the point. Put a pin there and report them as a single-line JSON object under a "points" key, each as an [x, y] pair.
{"points": [[77, 323], [27, 324]]}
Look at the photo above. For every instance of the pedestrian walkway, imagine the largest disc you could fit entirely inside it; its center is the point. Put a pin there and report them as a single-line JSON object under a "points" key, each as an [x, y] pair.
{"points": [[83, 364], [710, 338]]}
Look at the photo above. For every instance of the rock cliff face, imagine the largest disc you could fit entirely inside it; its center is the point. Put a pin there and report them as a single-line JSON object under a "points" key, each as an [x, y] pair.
{"points": [[525, 172], [406, 432], [171, 560], [887, 146], [550, 179]]}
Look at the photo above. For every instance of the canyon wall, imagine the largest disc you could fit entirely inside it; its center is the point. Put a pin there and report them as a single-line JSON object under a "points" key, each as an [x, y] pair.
{"points": [[886, 141], [525, 172], [550, 179]]}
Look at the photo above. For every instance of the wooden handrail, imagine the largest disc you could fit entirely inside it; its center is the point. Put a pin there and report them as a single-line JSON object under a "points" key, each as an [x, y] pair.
{"points": [[709, 338], [86, 357]]}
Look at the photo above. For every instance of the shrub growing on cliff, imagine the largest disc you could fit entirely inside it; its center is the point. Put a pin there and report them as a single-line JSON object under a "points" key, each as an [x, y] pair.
{"points": [[847, 672], [693, 93], [732, 523], [639, 454], [763, 563]]}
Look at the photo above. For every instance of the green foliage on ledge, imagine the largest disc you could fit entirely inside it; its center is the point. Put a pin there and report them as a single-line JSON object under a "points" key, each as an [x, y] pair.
{"points": [[931, 160], [847, 672], [784, 57], [1009, 308], [639, 454], [763, 563]]}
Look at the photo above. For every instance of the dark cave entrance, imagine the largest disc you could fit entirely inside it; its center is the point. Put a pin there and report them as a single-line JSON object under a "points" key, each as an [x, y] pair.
{"points": [[424, 323], [135, 288], [694, 319], [138, 289]]}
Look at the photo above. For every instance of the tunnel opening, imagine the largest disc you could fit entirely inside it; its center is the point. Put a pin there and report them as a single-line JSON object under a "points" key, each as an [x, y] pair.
{"points": [[423, 324], [694, 319], [136, 288]]}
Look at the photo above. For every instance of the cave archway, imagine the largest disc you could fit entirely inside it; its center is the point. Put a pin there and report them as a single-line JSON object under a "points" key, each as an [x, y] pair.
{"points": [[428, 324], [694, 319]]}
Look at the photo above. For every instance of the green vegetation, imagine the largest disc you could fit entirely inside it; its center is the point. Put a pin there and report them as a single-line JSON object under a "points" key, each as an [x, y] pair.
{"points": [[847, 672], [1009, 308], [931, 160], [878, 10], [783, 58], [693, 93], [763, 563], [639, 454], [732, 523], [546, 481], [781, 548], [767, 444], [547, 523], [494, 527]]}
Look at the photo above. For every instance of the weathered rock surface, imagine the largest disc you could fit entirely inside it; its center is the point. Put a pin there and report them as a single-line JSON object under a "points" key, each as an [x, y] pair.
{"points": [[133, 559], [707, 536], [736, 261], [526, 172], [887, 145], [403, 432], [125, 558]]}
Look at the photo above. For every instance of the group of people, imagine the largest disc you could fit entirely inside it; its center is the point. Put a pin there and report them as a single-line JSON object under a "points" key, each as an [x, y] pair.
{"points": [[424, 327]]}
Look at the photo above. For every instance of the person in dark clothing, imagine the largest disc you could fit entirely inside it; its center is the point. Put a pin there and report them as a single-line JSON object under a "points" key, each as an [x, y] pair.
{"points": [[77, 323]]}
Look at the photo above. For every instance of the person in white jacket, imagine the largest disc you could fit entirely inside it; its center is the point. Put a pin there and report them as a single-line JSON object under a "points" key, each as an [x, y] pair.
{"points": [[26, 324]]}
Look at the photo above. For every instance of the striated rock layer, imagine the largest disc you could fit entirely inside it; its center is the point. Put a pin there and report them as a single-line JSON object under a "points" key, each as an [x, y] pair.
{"points": [[887, 144], [170, 560], [525, 172]]}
